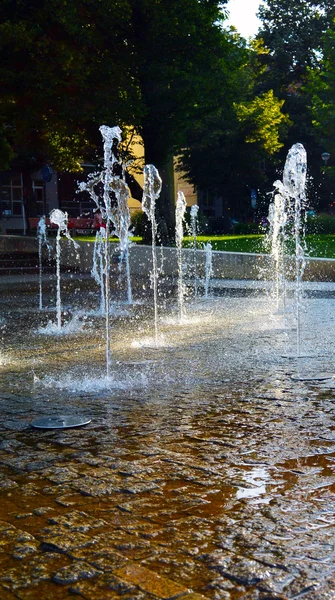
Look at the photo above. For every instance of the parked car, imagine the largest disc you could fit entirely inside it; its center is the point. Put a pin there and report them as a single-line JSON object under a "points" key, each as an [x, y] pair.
{"points": [[81, 224]]}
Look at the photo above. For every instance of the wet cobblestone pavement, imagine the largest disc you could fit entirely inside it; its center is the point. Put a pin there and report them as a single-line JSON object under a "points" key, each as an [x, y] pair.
{"points": [[207, 471]]}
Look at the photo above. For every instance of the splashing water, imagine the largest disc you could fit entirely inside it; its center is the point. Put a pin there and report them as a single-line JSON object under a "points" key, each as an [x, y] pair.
{"points": [[180, 216], [287, 220], [115, 196], [42, 237], [60, 218], [115, 212], [294, 180], [121, 221], [98, 267], [151, 191], [276, 239], [208, 267], [194, 230]]}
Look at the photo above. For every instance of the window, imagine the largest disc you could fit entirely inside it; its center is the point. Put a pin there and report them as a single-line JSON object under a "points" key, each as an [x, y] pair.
{"points": [[39, 194], [11, 195]]}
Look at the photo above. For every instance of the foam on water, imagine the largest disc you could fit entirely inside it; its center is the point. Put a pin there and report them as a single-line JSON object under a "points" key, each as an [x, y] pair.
{"points": [[93, 384], [71, 327]]}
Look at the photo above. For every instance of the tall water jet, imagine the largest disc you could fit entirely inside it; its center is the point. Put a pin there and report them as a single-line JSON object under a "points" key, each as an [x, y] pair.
{"points": [[122, 221], [180, 217], [294, 180], [151, 191], [276, 239], [60, 218], [98, 267], [115, 213], [42, 237], [194, 230], [287, 221], [109, 134], [208, 267]]}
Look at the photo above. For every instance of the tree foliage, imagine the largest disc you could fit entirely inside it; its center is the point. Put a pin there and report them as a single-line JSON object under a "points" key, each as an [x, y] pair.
{"points": [[63, 72], [292, 33], [261, 118], [225, 150], [320, 86], [68, 67]]}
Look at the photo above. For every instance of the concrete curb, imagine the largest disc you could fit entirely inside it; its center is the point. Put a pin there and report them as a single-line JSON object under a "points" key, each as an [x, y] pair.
{"points": [[226, 265]]}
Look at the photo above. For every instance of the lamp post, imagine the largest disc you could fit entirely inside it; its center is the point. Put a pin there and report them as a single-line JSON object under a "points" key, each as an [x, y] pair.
{"points": [[325, 157]]}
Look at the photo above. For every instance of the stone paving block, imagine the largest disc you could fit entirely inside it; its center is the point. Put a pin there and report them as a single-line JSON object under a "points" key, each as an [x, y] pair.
{"points": [[10, 534], [77, 521], [104, 559], [149, 581], [60, 475], [88, 486], [110, 561], [20, 551], [31, 572], [64, 542], [101, 590], [138, 488], [75, 572]]}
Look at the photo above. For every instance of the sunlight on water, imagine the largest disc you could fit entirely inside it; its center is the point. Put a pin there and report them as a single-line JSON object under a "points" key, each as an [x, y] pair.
{"points": [[151, 342]]}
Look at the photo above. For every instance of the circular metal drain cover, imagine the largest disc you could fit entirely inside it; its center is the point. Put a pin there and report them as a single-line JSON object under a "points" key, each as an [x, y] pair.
{"points": [[60, 422]]}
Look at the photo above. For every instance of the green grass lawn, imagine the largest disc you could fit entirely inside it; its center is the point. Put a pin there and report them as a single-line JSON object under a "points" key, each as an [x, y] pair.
{"points": [[318, 245], [229, 243], [322, 246]]}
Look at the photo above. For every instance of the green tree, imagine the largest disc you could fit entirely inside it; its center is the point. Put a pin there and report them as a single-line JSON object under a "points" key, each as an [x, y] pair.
{"points": [[226, 151], [64, 71], [320, 88], [292, 33], [68, 67], [178, 48]]}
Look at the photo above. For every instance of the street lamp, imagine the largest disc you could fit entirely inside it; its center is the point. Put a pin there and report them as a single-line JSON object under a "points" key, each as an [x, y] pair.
{"points": [[325, 157]]}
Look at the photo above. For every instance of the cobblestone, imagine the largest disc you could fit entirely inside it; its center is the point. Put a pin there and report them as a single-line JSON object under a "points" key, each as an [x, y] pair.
{"points": [[213, 482]]}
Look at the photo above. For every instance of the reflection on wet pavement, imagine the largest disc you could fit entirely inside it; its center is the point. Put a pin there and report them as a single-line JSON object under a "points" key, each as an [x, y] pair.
{"points": [[208, 468]]}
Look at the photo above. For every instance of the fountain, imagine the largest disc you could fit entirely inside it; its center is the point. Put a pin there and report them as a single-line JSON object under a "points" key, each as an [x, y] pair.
{"points": [[205, 469], [42, 237], [98, 268], [208, 267], [193, 231], [115, 211], [151, 192], [287, 222], [60, 218], [180, 216]]}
